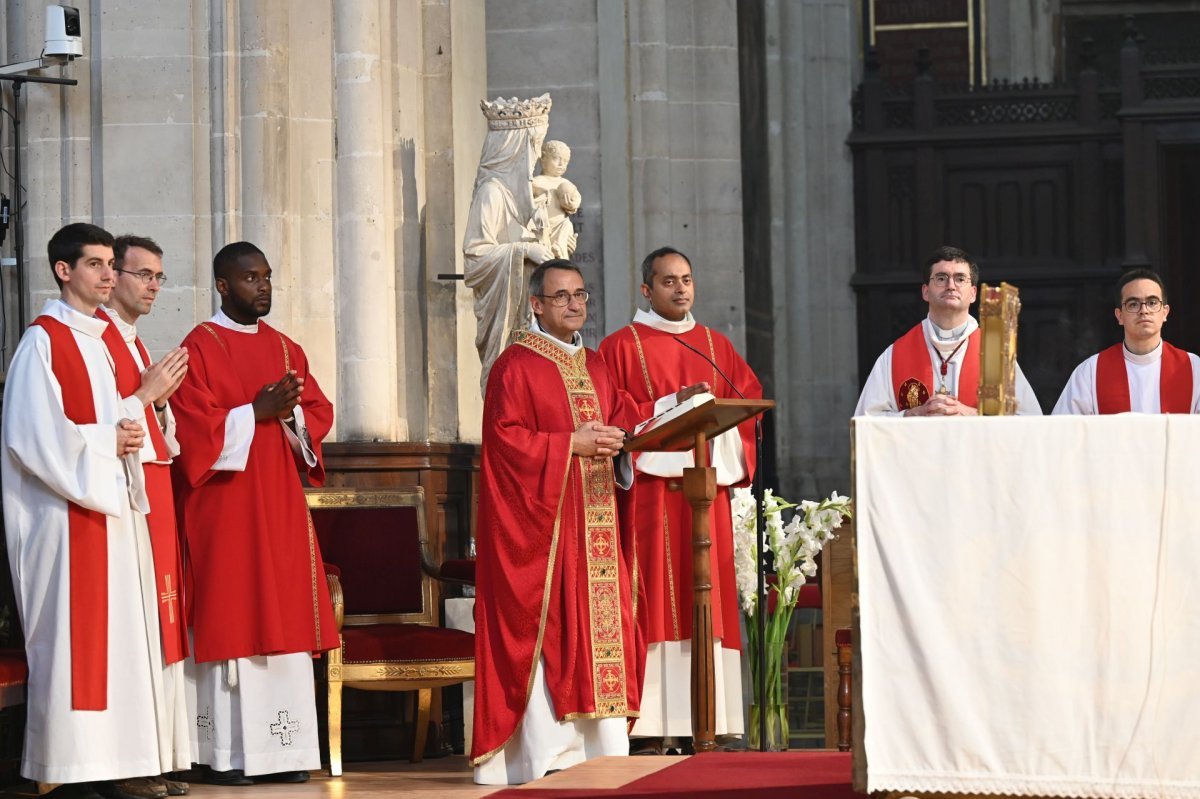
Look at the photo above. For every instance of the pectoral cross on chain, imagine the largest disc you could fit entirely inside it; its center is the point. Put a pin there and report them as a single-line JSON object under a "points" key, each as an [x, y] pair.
{"points": [[168, 598]]}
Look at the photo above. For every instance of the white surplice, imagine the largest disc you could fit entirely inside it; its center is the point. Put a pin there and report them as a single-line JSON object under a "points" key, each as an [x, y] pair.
{"points": [[258, 714], [666, 692], [878, 396], [174, 723], [1079, 395], [46, 461]]}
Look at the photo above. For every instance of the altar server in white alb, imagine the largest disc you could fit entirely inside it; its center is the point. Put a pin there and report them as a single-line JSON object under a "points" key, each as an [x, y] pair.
{"points": [[933, 369], [80, 554], [1143, 373]]}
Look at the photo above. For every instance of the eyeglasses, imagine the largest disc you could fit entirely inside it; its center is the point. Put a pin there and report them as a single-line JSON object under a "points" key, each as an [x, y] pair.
{"points": [[941, 279], [1134, 305], [145, 277], [562, 298]]}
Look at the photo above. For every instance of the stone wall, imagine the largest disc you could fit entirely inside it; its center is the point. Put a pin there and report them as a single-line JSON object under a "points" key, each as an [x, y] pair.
{"points": [[323, 131], [646, 95]]}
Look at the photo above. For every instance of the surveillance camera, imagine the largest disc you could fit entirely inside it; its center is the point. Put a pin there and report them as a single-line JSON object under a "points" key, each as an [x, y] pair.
{"points": [[64, 36]]}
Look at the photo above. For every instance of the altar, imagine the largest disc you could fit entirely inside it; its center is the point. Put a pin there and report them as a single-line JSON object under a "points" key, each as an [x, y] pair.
{"points": [[1026, 605]]}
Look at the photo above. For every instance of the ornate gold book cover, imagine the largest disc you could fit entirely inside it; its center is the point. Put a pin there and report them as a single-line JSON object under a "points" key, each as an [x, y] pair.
{"points": [[998, 311]]}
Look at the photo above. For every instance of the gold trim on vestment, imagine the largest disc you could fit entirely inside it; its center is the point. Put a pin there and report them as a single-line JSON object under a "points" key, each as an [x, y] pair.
{"points": [[312, 566], [537, 647], [712, 354], [637, 340], [670, 566], [601, 536], [220, 340]]}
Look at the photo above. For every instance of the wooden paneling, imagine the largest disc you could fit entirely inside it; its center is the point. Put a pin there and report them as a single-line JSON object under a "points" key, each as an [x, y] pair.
{"points": [[1053, 188]]}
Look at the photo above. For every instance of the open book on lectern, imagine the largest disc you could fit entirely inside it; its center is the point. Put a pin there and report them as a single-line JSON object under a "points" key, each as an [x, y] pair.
{"points": [[694, 401], [703, 415]]}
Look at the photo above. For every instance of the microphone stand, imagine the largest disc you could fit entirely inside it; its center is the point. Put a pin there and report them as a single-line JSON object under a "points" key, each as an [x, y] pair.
{"points": [[760, 522]]}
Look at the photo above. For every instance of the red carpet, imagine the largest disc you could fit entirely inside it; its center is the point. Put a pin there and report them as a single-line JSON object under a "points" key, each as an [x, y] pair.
{"points": [[754, 775]]}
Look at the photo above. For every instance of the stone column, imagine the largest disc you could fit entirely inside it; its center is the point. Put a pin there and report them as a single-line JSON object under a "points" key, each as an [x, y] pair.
{"points": [[453, 45], [365, 273], [810, 61]]}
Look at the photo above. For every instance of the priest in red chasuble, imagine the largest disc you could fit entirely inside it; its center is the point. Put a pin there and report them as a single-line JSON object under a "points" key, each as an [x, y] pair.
{"points": [[556, 647], [250, 417], [664, 358], [1143, 373], [933, 369], [78, 547]]}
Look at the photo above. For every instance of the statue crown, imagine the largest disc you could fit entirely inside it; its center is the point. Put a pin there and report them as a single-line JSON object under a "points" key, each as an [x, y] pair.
{"points": [[513, 113]]}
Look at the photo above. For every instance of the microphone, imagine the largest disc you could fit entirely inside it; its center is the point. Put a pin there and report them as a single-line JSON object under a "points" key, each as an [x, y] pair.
{"points": [[713, 364]]}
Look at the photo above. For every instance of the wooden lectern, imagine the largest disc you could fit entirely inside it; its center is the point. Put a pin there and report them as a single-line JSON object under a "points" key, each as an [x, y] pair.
{"points": [[692, 431]]}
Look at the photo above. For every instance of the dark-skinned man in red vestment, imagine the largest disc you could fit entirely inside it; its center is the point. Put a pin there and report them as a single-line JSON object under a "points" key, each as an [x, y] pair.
{"points": [[250, 416], [649, 361], [556, 652]]}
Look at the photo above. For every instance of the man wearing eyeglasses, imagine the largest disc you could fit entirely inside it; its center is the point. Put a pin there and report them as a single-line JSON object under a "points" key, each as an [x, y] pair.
{"points": [[663, 358], [933, 369], [74, 504], [1143, 373], [557, 659], [139, 277]]}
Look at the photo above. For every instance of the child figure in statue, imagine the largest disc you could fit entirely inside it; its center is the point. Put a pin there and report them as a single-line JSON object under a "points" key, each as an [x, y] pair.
{"points": [[556, 198]]}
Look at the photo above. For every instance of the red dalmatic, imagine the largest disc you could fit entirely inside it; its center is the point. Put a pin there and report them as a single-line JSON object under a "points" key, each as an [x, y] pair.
{"points": [[553, 571], [256, 568], [649, 364]]}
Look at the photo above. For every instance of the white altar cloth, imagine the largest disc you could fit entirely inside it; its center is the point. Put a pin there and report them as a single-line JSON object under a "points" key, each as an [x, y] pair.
{"points": [[1029, 604]]}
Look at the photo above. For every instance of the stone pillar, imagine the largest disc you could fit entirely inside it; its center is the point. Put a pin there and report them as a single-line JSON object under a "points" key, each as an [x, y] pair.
{"points": [[454, 66], [810, 63], [686, 148], [365, 274]]}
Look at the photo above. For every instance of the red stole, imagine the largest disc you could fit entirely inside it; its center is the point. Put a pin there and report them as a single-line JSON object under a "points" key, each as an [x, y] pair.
{"points": [[912, 371], [1174, 381], [164, 537], [88, 536]]}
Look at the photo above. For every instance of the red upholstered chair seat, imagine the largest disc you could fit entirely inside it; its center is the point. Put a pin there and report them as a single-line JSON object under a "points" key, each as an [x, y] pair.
{"points": [[13, 670], [13, 674], [810, 596], [405, 643]]}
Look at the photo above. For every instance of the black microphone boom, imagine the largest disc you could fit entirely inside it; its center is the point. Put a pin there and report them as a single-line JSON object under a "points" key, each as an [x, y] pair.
{"points": [[756, 490], [714, 366]]}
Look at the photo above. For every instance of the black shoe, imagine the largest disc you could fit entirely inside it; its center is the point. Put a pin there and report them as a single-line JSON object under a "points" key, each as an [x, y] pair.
{"points": [[282, 776], [235, 776], [646, 746], [72, 790], [109, 790]]}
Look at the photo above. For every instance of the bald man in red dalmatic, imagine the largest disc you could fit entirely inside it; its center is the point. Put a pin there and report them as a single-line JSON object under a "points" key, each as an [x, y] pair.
{"points": [[662, 359], [249, 416]]}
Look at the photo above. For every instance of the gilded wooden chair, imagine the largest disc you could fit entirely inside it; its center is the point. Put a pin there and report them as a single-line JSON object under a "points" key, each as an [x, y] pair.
{"points": [[373, 542]]}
